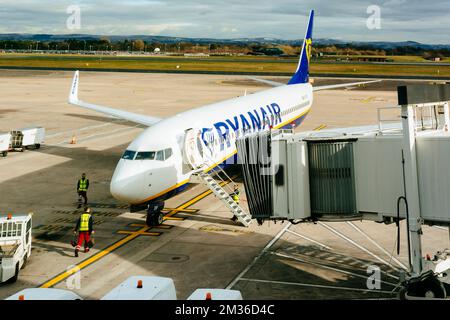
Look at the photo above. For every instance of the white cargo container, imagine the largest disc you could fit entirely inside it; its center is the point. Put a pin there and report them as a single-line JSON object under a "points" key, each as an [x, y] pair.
{"points": [[33, 137], [143, 288], [44, 294], [215, 294], [15, 245], [5, 140]]}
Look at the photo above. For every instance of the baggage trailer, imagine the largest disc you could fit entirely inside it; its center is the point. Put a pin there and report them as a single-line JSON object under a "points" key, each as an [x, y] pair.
{"points": [[16, 141], [44, 294], [33, 137], [143, 288], [215, 294], [5, 140], [15, 245]]}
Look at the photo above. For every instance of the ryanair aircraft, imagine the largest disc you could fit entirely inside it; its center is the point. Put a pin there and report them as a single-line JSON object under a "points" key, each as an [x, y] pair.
{"points": [[160, 161]]}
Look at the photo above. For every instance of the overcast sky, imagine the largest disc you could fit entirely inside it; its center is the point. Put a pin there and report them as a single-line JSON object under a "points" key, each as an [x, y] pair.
{"points": [[401, 20]]}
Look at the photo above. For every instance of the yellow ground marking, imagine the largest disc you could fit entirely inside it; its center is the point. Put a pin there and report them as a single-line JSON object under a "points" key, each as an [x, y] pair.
{"points": [[174, 218], [369, 99], [141, 233], [131, 235], [181, 210], [162, 226], [322, 126], [219, 229], [189, 203]]}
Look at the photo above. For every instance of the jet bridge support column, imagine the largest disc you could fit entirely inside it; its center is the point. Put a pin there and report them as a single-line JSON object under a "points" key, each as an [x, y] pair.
{"points": [[412, 187], [446, 117]]}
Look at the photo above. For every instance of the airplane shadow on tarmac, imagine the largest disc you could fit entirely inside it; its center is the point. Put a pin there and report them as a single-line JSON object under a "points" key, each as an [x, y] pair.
{"points": [[213, 255]]}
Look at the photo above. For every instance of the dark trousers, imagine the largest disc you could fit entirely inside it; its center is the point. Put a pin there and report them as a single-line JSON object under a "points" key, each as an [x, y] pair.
{"points": [[84, 195]]}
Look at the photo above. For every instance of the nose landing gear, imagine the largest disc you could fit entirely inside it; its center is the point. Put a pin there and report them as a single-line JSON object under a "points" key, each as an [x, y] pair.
{"points": [[154, 215]]}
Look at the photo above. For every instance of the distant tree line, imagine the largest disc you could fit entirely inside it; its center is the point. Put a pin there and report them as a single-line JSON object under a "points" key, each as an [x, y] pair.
{"points": [[371, 50], [105, 44]]}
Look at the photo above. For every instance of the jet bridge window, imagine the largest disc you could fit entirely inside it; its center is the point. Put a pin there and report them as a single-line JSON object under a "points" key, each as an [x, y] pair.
{"points": [[146, 155], [129, 155]]}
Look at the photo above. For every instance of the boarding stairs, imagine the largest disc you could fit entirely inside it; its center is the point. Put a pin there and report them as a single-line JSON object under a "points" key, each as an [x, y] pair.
{"points": [[199, 162], [219, 191]]}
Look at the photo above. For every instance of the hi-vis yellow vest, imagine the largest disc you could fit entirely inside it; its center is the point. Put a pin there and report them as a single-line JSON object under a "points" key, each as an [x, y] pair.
{"points": [[83, 185], [84, 222]]}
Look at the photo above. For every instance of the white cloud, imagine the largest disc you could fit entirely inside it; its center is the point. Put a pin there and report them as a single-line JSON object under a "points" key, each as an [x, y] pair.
{"points": [[346, 19]]}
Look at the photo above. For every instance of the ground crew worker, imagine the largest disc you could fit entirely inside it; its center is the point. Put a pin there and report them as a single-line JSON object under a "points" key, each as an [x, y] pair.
{"points": [[235, 197], [84, 227], [82, 188]]}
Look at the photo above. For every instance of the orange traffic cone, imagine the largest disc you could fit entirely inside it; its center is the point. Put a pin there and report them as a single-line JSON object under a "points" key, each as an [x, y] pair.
{"points": [[73, 140]]}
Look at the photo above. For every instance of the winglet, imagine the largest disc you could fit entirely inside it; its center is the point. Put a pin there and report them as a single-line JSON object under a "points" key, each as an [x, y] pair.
{"points": [[73, 96], [302, 73]]}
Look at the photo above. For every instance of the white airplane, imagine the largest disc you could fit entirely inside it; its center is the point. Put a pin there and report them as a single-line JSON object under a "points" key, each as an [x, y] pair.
{"points": [[160, 161]]}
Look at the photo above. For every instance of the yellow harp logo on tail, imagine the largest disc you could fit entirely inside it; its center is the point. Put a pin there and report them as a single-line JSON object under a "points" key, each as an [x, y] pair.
{"points": [[308, 49]]}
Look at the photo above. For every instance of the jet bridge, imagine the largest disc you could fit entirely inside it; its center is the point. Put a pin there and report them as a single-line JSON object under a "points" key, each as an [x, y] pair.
{"points": [[398, 169]]}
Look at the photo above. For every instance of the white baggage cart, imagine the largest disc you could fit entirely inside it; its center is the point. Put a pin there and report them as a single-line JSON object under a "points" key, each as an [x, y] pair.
{"points": [[5, 140], [33, 137], [15, 245], [215, 294], [143, 288], [44, 294]]}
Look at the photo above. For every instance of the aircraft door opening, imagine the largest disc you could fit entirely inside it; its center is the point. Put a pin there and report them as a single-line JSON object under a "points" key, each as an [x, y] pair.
{"points": [[194, 150]]}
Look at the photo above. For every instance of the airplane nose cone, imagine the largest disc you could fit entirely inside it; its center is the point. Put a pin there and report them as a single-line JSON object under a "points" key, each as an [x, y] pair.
{"points": [[127, 183]]}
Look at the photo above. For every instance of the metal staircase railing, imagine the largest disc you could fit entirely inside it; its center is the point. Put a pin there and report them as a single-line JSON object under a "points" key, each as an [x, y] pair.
{"points": [[241, 215]]}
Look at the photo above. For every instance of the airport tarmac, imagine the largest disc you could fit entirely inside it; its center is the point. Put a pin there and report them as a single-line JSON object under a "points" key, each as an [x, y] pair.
{"points": [[198, 245]]}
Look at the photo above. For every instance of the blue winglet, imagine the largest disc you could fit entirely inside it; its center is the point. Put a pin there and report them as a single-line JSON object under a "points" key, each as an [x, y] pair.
{"points": [[302, 73]]}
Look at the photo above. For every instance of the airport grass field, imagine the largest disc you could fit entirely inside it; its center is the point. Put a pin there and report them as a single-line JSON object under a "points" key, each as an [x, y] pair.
{"points": [[246, 64]]}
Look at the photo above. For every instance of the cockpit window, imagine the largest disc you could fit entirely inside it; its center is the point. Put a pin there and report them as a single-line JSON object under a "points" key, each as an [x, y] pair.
{"points": [[167, 153], [146, 155], [129, 155], [160, 155]]}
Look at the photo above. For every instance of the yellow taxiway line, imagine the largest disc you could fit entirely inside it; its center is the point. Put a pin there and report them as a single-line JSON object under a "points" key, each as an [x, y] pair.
{"points": [[322, 126]]}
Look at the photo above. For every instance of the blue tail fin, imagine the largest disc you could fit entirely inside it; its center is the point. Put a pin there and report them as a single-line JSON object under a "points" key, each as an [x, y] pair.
{"points": [[302, 73]]}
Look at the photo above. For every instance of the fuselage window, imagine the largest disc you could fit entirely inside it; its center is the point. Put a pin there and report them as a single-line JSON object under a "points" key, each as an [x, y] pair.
{"points": [[146, 155], [160, 155], [129, 155]]}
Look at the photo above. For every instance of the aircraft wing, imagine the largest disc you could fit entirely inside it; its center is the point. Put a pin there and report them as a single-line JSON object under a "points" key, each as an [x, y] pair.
{"points": [[270, 83], [130, 116], [343, 85], [318, 88], [357, 130]]}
